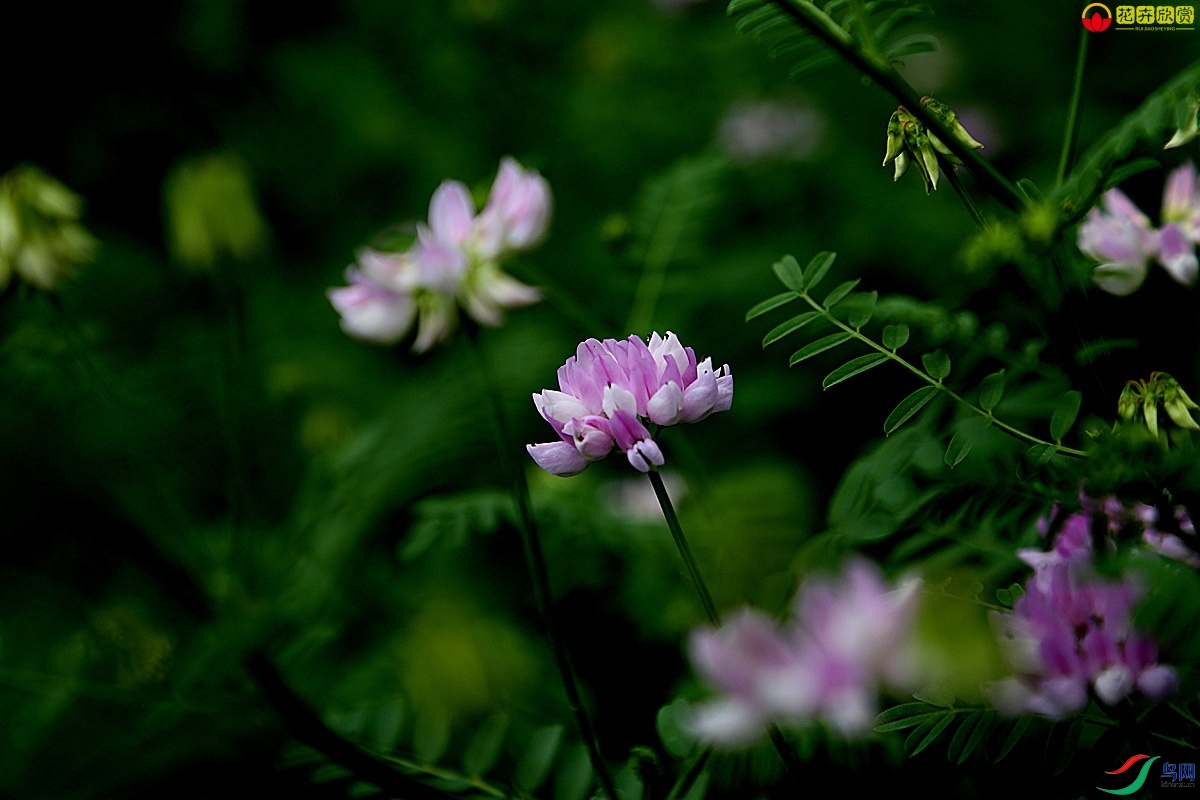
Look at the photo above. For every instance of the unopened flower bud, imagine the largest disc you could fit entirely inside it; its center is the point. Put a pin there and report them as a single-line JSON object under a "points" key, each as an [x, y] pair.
{"points": [[1176, 402], [911, 142], [41, 239], [895, 138], [211, 212], [945, 115], [1128, 402]]}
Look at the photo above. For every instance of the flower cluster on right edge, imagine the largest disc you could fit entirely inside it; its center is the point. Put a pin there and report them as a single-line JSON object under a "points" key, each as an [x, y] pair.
{"points": [[1122, 239], [1070, 636]]}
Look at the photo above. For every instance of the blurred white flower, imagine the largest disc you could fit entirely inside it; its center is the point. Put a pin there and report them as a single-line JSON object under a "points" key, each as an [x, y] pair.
{"points": [[771, 129]]}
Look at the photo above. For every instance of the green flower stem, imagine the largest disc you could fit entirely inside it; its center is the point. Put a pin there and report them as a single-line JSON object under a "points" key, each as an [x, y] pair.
{"points": [[535, 561], [790, 759], [816, 21], [1071, 132], [685, 550], [934, 382], [961, 191]]}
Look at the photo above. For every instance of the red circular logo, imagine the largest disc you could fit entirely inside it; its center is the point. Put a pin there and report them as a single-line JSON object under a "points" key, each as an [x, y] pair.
{"points": [[1097, 17]]}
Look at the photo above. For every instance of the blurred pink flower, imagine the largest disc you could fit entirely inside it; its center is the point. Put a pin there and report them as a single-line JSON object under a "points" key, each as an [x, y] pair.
{"points": [[1121, 238], [1071, 631], [609, 390], [453, 263], [847, 639]]}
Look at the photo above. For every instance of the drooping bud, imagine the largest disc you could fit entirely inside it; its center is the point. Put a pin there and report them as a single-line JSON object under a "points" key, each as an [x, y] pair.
{"points": [[1128, 402], [945, 115], [910, 141], [895, 138], [1150, 412], [1176, 402], [211, 212]]}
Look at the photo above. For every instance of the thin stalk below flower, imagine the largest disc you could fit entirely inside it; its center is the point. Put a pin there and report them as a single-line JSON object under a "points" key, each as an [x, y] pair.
{"points": [[790, 759], [685, 550], [1016, 433], [535, 561]]}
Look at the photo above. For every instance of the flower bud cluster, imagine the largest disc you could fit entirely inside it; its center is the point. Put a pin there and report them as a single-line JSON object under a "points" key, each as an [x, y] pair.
{"points": [[41, 240], [1145, 396], [908, 141], [454, 262]]}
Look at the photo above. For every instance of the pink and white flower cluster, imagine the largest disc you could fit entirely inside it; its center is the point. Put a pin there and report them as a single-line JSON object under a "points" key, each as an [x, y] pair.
{"points": [[609, 391], [845, 641], [1121, 238], [1072, 631], [454, 262]]}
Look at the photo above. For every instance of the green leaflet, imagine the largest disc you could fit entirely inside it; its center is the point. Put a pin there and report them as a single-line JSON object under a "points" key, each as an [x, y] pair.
{"points": [[770, 304], [484, 746], [853, 367], [793, 324], [956, 451], [1064, 415], [895, 337], [539, 754], [1014, 736], [928, 732], [991, 390], [905, 715], [907, 408], [863, 309], [817, 268], [787, 269], [819, 346], [970, 734], [937, 364], [840, 292], [1040, 454]]}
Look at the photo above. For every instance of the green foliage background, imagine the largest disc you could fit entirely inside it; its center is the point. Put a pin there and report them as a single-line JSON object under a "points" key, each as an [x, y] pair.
{"points": [[198, 465]]}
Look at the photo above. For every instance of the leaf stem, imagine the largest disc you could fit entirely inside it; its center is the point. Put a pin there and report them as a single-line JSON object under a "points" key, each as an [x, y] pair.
{"points": [[441, 773], [955, 182], [1004, 426], [825, 29], [1071, 132], [535, 561]]}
